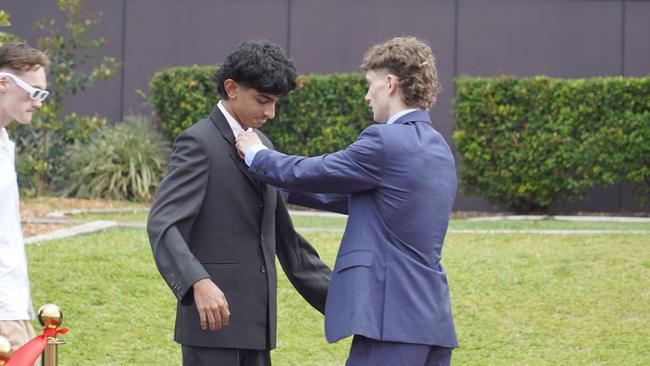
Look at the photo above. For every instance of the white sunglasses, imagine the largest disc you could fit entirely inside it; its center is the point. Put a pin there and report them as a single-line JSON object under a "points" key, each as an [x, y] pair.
{"points": [[34, 93]]}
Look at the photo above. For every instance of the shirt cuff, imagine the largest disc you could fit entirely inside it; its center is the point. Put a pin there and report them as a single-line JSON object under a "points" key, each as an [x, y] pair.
{"points": [[251, 152]]}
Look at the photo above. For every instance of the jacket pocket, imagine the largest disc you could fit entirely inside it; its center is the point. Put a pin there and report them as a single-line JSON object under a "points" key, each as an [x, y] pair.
{"points": [[354, 259], [230, 263]]}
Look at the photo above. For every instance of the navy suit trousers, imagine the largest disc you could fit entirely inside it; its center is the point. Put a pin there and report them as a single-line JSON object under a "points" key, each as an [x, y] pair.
{"points": [[370, 352]]}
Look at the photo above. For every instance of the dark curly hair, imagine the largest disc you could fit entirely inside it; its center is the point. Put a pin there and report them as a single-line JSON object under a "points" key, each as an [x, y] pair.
{"points": [[259, 65]]}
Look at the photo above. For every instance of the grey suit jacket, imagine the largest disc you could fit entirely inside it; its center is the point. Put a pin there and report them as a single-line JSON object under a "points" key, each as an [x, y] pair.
{"points": [[210, 219]]}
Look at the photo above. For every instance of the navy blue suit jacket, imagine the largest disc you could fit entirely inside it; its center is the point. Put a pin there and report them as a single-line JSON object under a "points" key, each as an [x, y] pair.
{"points": [[397, 183]]}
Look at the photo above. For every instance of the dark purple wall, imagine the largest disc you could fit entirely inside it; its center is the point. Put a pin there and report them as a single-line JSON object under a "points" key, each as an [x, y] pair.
{"points": [[559, 38]]}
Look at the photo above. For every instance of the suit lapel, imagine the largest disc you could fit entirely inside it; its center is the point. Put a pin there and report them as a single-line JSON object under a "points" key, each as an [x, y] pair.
{"points": [[219, 120]]}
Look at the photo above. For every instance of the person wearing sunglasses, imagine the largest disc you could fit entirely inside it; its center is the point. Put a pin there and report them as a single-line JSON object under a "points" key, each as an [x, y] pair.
{"points": [[22, 91]]}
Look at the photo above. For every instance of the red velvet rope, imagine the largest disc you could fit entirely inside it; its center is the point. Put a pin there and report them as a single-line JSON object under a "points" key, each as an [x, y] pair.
{"points": [[29, 352]]}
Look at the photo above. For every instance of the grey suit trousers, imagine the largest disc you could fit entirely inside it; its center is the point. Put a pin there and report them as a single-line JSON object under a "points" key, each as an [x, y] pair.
{"points": [[204, 356]]}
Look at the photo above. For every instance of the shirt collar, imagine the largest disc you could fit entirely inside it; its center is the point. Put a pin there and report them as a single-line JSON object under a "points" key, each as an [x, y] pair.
{"points": [[232, 122], [399, 114]]}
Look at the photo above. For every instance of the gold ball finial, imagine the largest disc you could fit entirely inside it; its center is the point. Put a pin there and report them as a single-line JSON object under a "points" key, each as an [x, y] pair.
{"points": [[50, 316], [5, 350]]}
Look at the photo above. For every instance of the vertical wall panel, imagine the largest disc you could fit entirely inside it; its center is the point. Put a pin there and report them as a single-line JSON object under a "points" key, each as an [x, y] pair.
{"points": [[551, 37], [104, 97], [332, 36], [637, 38], [193, 32], [560, 38]]}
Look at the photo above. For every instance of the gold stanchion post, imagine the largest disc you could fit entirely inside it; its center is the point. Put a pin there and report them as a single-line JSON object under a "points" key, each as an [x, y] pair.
{"points": [[51, 317], [5, 350]]}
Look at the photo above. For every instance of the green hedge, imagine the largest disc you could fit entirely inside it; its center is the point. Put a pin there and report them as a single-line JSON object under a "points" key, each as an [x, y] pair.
{"points": [[528, 142], [182, 96], [325, 112]]}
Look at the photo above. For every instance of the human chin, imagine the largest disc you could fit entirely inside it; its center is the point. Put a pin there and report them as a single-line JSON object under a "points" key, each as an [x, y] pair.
{"points": [[377, 116], [258, 122], [25, 118]]}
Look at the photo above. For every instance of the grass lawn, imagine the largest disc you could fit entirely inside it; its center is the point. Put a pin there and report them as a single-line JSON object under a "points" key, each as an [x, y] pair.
{"points": [[547, 224], [517, 300], [339, 222]]}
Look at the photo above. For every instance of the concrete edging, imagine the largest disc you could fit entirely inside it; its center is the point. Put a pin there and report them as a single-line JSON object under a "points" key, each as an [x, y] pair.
{"points": [[82, 227]]}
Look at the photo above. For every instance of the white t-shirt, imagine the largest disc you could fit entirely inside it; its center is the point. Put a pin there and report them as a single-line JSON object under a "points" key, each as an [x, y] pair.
{"points": [[15, 298]]}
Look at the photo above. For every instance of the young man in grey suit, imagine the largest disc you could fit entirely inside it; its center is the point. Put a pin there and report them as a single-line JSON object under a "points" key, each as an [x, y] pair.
{"points": [[397, 183], [215, 231]]}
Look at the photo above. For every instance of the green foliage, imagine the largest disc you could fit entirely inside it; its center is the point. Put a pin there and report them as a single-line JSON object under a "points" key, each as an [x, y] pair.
{"points": [[526, 143], [4, 23], [323, 114], [125, 162], [182, 96], [4, 19], [74, 67], [40, 171]]}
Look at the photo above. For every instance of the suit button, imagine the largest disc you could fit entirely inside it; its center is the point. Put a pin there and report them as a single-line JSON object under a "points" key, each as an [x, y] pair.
{"points": [[263, 269], [260, 204]]}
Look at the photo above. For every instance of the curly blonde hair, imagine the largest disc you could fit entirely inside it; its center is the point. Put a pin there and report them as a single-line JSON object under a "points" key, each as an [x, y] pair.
{"points": [[412, 61]]}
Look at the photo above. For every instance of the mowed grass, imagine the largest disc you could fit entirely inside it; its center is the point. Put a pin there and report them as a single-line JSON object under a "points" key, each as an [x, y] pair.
{"points": [[547, 224], [464, 224], [517, 300]]}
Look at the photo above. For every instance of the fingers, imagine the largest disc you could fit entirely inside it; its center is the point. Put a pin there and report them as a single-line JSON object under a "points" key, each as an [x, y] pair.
{"points": [[219, 315], [214, 320], [225, 312], [239, 145], [211, 305], [214, 316], [202, 319], [240, 151]]}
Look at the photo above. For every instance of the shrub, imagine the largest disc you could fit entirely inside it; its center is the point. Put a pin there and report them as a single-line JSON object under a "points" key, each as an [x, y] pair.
{"points": [[182, 96], [5, 22], [125, 162], [323, 114], [41, 152], [528, 142], [75, 66]]}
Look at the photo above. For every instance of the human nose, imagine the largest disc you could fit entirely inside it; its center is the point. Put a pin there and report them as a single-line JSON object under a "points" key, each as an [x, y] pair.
{"points": [[270, 111]]}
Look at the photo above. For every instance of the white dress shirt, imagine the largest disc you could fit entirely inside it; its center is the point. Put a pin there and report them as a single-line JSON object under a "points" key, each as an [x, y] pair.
{"points": [[399, 114], [250, 153], [15, 298], [232, 122]]}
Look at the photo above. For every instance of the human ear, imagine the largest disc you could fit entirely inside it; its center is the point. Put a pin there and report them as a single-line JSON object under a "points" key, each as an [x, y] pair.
{"points": [[231, 87], [391, 82]]}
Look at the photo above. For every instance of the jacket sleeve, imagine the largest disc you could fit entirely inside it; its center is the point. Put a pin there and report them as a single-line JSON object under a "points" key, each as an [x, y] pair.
{"points": [[356, 168], [173, 212], [332, 202], [300, 261]]}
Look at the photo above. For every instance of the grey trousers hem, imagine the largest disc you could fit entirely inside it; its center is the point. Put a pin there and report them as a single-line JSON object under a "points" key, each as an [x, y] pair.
{"points": [[206, 356]]}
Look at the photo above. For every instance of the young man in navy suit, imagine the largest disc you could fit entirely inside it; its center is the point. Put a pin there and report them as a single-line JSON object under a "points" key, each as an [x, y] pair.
{"points": [[397, 183]]}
